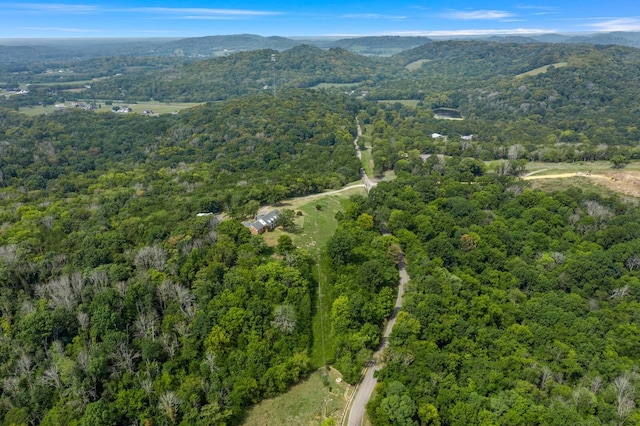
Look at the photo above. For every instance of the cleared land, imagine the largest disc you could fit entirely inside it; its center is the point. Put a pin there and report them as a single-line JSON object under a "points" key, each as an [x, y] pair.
{"points": [[367, 152], [416, 64], [330, 85], [137, 108], [596, 176], [539, 167], [405, 102], [447, 114], [307, 403], [79, 83], [543, 69]]}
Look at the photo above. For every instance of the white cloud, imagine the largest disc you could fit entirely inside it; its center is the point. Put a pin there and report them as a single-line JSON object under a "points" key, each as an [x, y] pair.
{"points": [[192, 12], [155, 31], [477, 14], [372, 16], [45, 8], [619, 24], [177, 12], [472, 32], [60, 29], [535, 7]]}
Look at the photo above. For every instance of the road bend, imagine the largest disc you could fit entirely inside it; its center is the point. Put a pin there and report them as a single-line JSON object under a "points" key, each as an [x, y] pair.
{"points": [[365, 388]]}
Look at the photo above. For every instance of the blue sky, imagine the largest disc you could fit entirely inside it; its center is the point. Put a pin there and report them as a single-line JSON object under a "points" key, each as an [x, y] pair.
{"points": [[102, 18]]}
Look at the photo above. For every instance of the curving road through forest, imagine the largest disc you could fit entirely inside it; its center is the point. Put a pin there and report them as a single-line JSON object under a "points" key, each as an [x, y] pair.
{"points": [[364, 390]]}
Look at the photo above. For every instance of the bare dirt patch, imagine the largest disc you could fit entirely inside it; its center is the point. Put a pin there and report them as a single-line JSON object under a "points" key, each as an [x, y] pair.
{"points": [[623, 182]]}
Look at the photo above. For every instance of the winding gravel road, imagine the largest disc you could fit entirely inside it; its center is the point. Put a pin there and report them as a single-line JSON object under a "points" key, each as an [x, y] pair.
{"points": [[365, 388]]}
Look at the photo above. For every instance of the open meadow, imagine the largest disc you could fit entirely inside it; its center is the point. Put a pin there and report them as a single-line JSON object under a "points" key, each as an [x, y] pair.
{"points": [[157, 107], [136, 108], [541, 70], [308, 403], [405, 102]]}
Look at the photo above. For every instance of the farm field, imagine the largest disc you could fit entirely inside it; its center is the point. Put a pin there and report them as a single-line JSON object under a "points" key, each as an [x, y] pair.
{"points": [[137, 108], [405, 102]]}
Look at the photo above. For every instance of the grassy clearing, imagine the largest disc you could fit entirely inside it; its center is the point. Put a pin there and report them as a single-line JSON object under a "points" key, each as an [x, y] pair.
{"points": [[305, 404], [315, 227], [157, 107], [137, 108], [541, 70], [405, 102], [318, 225], [416, 64], [541, 168], [367, 153], [332, 85], [367, 160], [71, 83], [389, 175], [554, 185]]}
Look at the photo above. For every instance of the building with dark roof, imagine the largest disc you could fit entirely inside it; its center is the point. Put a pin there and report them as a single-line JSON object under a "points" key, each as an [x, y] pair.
{"points": [[263, 223]]}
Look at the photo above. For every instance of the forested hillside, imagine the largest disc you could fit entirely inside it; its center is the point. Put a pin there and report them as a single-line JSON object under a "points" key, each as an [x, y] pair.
{"points": [[245, 73], [573, 87], [522, 307], [118, 304]]}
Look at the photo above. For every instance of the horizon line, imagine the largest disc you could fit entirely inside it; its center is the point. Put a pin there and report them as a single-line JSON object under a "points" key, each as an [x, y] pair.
{"points": [[407, 34]]}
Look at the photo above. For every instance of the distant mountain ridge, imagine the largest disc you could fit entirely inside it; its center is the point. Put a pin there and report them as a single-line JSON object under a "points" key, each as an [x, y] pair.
{"points": [[619, 38], [221, 45]]}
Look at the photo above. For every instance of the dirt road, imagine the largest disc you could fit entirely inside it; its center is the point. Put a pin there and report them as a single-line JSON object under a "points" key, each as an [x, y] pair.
{"points": [[355, 141], [625, 182], [292, 202], [365, 388], [564, 175]]}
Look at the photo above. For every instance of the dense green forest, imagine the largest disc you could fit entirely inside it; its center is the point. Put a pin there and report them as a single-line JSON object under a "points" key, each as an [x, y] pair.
{"points": [[522, 307], [586, 99], [120, 305]]}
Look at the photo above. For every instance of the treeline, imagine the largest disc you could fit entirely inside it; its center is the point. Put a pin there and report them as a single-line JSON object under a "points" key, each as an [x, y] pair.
{"points": [[522, 306], [363, 279]]}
